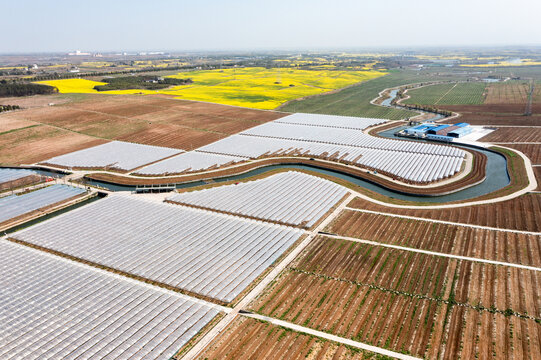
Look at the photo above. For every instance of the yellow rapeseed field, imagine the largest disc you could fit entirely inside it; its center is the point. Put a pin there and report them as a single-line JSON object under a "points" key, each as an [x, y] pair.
{"points": [[258, 88]]}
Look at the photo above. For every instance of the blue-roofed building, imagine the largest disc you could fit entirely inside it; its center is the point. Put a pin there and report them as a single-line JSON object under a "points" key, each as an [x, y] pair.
{"points": [[417, 130], [462, 124], [434, 130], [460, 132]]}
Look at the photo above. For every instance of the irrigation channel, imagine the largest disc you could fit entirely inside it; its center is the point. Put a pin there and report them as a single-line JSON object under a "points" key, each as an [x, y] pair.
{"points": [[496, 178]]}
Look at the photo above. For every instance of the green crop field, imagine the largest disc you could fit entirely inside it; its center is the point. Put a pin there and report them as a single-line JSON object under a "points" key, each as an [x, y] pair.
{"points": [[470, 93], [355, 100]]}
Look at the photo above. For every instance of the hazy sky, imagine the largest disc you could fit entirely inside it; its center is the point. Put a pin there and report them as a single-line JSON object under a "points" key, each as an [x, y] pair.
{"points": [[97, 25]]}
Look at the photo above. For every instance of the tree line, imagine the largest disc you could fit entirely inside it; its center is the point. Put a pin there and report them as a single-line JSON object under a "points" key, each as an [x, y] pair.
{"points": [[140, 82], [8, 89], [9, 107]]}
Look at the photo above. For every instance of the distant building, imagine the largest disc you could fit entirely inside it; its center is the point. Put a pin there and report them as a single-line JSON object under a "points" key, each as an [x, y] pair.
{"points": [[78, 53]]}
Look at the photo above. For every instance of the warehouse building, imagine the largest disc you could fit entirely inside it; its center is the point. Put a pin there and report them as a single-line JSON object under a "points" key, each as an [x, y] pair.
{"points": [[440, 132]]}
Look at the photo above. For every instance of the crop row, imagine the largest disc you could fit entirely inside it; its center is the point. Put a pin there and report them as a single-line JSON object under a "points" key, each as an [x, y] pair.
{"points": [[480, 285], [513, 134], [248, 338], [445, 238], [360, 313], [521, 213], [507, 93]]}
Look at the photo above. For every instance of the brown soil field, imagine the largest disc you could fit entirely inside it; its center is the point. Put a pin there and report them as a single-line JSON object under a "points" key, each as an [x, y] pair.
{"points": [[87, 122], [248, 338], [172, 136], [521, 213], [511, 134], [482, 335], [503, 246], [507, 93], [411, 273], [146, 119], [494, 114], [496, 119], [10, 121], [532, 151], [537, 171], [27, 102], [385, 319], [395, 299], [31, 145]]}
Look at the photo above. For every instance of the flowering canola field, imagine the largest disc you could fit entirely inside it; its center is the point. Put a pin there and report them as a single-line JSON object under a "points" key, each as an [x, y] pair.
{"points": [[257, 88]]}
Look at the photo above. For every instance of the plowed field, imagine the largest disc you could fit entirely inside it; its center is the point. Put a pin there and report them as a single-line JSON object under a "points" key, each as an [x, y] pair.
{"points": [[521, 213], [248, 338], [511, 134], [143, 119], [532, 151], [30, 145], [401, 300], [450, 239]]}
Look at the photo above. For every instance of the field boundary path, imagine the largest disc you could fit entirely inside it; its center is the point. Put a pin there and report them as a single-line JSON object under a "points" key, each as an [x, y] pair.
{"points": [[331, 337], [428, 252], [202, 344]]}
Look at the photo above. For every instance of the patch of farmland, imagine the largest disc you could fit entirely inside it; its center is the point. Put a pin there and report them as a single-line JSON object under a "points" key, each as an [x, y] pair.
{"points": [[289, 198], [477, 115], [172, 136], [468, 93], [355, 100], [189, 162], [333, 121], [532, 151], [35, 144], [428, 95], [53, 308], [247, 338], [418, 274], [88, 122], [214, 255], [115, 154], [12, 121], [510, 134], [16, 205], [27, 102], [472, 334], [502, 246], [406, 166], [396, 322], [199, 121], [519, 214], [509, 92], [396, 300]]}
